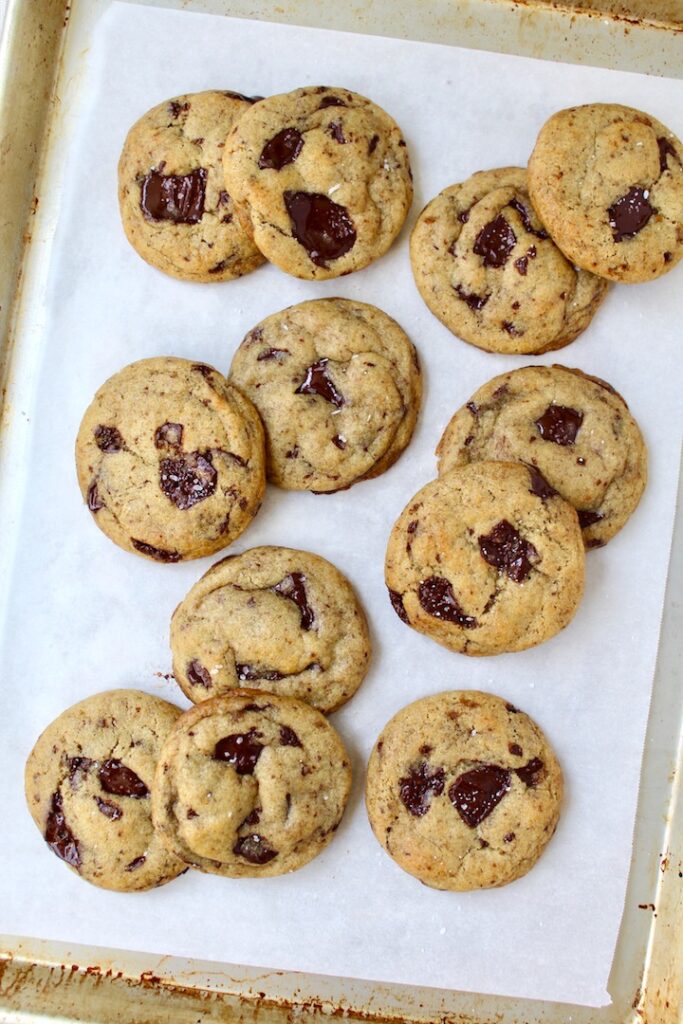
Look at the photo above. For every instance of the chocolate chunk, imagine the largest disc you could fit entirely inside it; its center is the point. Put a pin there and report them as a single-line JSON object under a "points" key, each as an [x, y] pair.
{"points": [[668, 256], [292, 453], [207, 372], [239, 96], [666, 148], [335, 129], [95, 503], [59, 836], [528, 773], [317, 382], [587, 517], [117, 779], [506, 550], [526, 219], [198, 675], [629, 214], [464, 216], [109, 810], [418, 787], [515, 749], [495, 242], [330, 101], [249, 674], [78, 765], [135, 864], [475, 793], [278, 354], [241, 750], [288, 738], [372, 144], [522, 263], [321, 226], [339, 441], [251, 819], [559, 424], [437, 598], [108, 439], [472, 408], [508, 837], [512, 709], [188, 479], [157, 553], [472, 300], [511, 329], [169, 435], [255, 849], [281, 150], [397, 604], [175, 197], [539, 485], [217, 268], [175, 109], [293, 587]]}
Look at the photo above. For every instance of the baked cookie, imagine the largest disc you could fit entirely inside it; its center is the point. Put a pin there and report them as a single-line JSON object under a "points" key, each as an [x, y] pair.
{"points": [[170, 459], [272, 619], [607, 182], [322, 177], [487, 268], [88, 782], [463, 791], [338, 386], [250, 784], [486, 559], [576, 430], [175, 210]]}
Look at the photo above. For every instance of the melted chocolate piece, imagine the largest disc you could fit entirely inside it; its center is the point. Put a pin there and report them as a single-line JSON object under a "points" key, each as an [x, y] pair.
{"points": [[397, 604], [511, 329], [157, 553], [528, 773], [437, 598], [95, 503], [666, 148], [255, 849], [293, 587], [472, 300], [108, 439], [207, 372], [288, 738], [506, 550], [252, 819], [330, 101], [117, 779], [322, 227], [249, 674], [278, 354], [218, 267], [59, 836], [629, 214], [169, 435], [475, 793], [463, 217], [241, 750], [175, 109], [109, 810], [135, 864], [372, 144], [198, 675], [240, 96], [418, 787], [559, 424], [526, 219], [76, 766], [317, 382], [281, 150], [515, 749], [508, 837], [335, 129], [188, 479], [175, 197], [522, 263], [539, 485], [339, 441], [587, 517], [472, 408], [495, 242]]}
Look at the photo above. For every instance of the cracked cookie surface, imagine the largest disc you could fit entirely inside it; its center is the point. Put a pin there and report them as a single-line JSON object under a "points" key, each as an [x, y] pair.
{"points": [[338, 386], [574, 428], [88, 788], [250, 784], [322, 178], [272, 619], [170, 459], [463, 790], [483, 561], [174, 206], [607, 181], [486, 267]]}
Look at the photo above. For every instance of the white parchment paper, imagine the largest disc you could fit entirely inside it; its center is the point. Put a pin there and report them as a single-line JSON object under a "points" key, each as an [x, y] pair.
{"points": [[85, 616]]}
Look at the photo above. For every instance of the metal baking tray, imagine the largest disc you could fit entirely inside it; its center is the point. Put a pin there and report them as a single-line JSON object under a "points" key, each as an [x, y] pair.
{"points": [[42, 55]]}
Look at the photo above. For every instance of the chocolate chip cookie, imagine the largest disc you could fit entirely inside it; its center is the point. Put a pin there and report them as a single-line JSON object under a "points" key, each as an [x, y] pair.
{"points": [[272, 619], [607, 182], [250, 785], [88, 783], [574, 429], [322, 178], [174, 206], [170, 459], [338, 387], [463, 791], [486, 559], [487, 268]]}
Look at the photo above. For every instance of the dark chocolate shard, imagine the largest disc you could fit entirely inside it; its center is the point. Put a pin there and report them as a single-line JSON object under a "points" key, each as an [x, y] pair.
{"points": [[281, 150], [529, 772], [109, 810], [198, 675], [95, 502], [525, 217], [288, 738], [159, 554], [630, 213], [397, 604], [437, 598], [319, 382], [175, 197], [251, 674], [418, 787], [169, 435], [506, 550], [495, 242], [323, 227], [278, 354], [59, 836], [188, 479], [588, 517], [108, 439], [119, 780], [539, 485], [293, 587], [255, 849], [474, 301], [241, 750], [559, 424], [477, 792]]}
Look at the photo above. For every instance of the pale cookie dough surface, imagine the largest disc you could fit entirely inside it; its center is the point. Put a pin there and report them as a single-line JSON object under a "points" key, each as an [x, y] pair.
{"points": [[170, 459], [322, 177], [463, 790], [484, 561], [338, 386], [250, 785], [575, 429], [88, 788], [174, 206], [607, 181], [272, 619], [486, 267]]}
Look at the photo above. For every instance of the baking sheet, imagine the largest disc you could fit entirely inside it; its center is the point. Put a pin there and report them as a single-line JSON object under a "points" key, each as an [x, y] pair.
{"points": [[85, 616]]}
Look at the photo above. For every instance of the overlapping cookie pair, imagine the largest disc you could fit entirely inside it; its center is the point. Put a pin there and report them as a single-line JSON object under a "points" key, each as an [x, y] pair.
{"points": [[316, 180]]}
